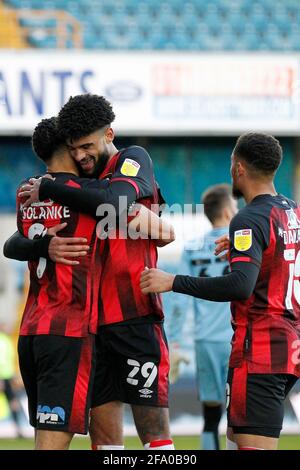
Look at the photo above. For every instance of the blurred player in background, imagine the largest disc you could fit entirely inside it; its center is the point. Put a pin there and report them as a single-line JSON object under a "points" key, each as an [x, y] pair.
{"points": [[263, 286], [132, 351], [7, 377], [212, 328]]}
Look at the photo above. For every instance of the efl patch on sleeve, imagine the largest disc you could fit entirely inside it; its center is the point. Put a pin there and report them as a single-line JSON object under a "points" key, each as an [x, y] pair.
{"points": [[243, 239], [130, 167]]}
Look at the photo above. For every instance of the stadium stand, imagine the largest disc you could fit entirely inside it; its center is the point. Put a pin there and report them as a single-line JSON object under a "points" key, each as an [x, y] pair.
{"points": [[233, 25], [199, 25], [10, 29], [38, 24]]}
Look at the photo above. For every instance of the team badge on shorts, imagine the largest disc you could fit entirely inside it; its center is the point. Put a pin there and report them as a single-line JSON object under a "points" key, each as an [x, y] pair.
{"points": [[130, 167], [243, 239]]}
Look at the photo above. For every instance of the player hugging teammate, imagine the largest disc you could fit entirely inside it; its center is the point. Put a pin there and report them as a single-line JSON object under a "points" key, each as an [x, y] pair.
{"points": [[97, 299]]}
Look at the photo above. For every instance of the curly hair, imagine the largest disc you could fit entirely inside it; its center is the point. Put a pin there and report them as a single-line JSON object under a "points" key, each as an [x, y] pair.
{"points": [[45, 139], [84, 114], [262, 152]]}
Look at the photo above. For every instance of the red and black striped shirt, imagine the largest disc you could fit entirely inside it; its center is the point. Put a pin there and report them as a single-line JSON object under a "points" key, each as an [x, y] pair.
{"points": [[123, 259], [267, 326], [119, 261], [60, 297]]}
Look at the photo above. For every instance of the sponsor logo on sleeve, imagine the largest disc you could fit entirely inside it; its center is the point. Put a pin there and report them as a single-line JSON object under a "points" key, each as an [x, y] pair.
{"points": [[47, 415], [130, 167], [243, 239]]}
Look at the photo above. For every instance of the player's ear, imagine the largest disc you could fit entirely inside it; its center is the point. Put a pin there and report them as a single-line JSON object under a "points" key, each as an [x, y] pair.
{"points": [[109, 135], [240, 168]]}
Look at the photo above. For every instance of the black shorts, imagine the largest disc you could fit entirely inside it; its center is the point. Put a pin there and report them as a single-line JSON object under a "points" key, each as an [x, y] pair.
{"points": [[255, 402], [58, 374], [132, 364]]}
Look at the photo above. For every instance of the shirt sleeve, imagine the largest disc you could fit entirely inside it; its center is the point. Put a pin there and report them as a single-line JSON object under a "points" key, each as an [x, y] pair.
{"points": [[22, 249], [88, 199], [92, 183], [248, 234], [18, 246], [247, 239], [237, 285], [135, 167]]}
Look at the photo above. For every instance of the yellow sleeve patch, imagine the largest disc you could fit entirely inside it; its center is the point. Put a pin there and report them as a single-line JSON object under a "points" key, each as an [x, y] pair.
{"points": [[243, 239], [130, 167]]}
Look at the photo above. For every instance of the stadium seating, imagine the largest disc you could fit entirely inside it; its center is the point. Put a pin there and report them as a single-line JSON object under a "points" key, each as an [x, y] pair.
{"points": [[233, 25], [10, 30]]}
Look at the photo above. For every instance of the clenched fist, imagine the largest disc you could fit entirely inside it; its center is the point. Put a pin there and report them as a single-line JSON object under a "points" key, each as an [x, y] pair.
{"points": [[156, 281]]}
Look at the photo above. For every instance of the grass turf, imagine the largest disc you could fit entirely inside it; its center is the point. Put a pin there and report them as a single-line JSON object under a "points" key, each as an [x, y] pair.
{"points": [[286, 442]]}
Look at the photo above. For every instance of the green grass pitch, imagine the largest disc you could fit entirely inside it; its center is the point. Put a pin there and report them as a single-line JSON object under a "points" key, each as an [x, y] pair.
{"points": [[287, 442]]}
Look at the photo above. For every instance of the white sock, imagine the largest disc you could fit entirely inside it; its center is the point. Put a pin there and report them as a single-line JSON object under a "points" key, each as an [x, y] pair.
{"points": [[163, 444], [249, 448], [107, 447], [230, 445]]}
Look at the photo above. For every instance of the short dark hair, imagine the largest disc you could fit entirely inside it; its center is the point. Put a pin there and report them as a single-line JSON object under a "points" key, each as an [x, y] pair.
{"points": [[214, 199], [262, 152], [45, 139], [84, 114]]}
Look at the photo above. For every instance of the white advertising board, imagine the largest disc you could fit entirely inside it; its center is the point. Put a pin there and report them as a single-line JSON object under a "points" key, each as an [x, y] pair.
{"points": [[155, 93]]}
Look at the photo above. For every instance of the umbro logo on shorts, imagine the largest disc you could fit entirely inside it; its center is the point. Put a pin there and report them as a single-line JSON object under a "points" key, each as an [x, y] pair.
{"points": [[145, 393]]}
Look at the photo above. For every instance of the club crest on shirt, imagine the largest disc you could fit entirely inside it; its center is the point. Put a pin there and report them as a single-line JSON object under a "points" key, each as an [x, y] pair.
{"points": [[243, 239], [130, 167]]}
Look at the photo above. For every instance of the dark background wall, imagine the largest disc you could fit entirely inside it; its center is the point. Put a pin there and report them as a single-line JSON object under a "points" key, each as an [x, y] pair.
{"points": [[184, 167]]}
